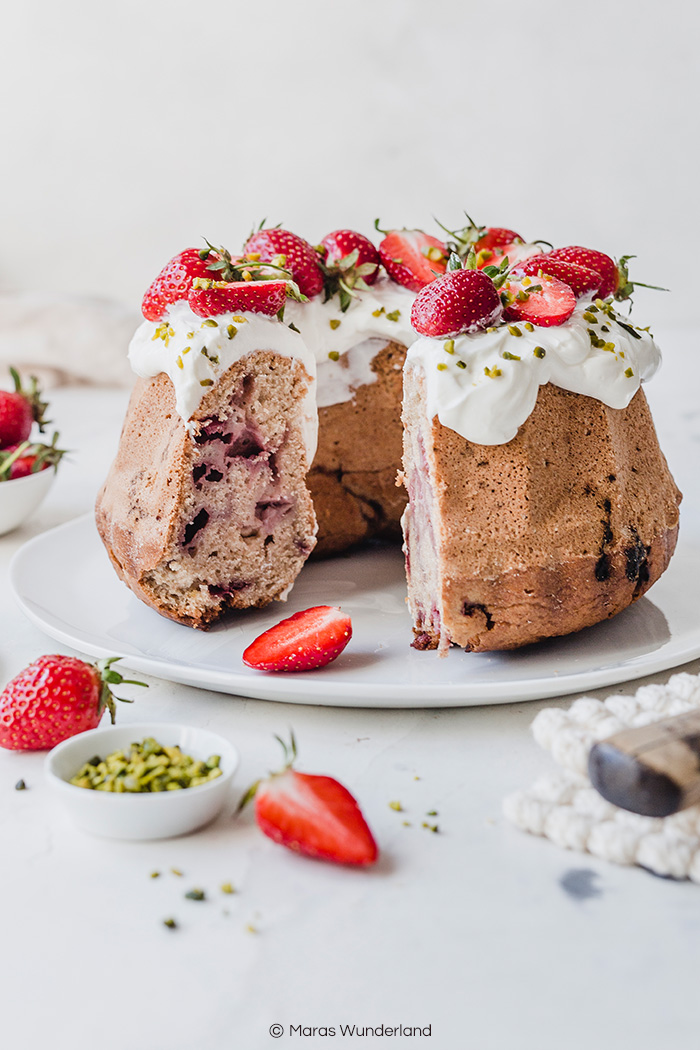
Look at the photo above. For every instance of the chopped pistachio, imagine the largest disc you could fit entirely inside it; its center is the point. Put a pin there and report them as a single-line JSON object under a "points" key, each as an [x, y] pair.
{"points": [[226, 887], [155, 874], [378, 313], [147, 766], [514, 330], [492, 373], [210, 323], [206, 382], [396, 806], [449, 346], [509, 357], [176, 871], [294, 327], [603, 327], [591, 318], [231, 330], [430, 827], [20, 786], [629, 373], [190, 335], [179, 362], [610, 347], [432, 813], [539, 351], [170, 923], [186, 350], [461, 364], [334, 323], [239, 319], [529, 326], [250, 928], [195, 895], [394, 315]]}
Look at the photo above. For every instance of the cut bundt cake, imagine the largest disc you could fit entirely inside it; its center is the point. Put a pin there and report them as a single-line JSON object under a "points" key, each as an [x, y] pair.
{"points": [[539, 500], [205, 508]]}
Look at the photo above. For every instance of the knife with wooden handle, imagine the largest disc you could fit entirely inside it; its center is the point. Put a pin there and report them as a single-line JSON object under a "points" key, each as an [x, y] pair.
{"points": [[653, 770]]}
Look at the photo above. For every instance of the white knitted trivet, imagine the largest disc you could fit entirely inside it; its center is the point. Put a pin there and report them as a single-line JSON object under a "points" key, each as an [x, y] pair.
{"points": [[564, 806]]}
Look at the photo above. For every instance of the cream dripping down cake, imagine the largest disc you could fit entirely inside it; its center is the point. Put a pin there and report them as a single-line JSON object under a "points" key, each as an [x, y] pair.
{"points": [[267, 421]]}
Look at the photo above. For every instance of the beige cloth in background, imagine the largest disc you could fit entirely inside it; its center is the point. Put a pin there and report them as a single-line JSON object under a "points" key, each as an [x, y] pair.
{"points": [[64, 339]]}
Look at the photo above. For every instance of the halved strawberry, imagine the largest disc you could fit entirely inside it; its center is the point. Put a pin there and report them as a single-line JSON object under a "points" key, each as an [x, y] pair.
{"points": [[593, 260], [313, 815], [307, 640], [412, 258], [458, 301], [210, 298], [175, 280], [581, 279], [546, 302], [300, 258]]}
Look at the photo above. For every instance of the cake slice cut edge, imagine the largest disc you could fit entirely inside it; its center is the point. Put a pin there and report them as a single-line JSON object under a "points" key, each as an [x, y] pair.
{"points": [[215, 515]]}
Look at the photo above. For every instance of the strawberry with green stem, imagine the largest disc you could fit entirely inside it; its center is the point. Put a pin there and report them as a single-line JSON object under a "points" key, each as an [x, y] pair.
{"points": [[350, 263], [28, 457], [56, 697], [313, 815], [464, 299], [283, 248], [19, 410]]}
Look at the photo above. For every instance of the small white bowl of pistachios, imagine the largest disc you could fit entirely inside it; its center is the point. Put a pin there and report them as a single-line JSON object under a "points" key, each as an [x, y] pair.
{"points": [[153, 780]]}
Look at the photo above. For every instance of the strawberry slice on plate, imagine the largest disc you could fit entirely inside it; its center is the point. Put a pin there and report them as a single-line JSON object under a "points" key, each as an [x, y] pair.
{"points": [[307, 640], [313, 815], [546, 302], [412, 258]]}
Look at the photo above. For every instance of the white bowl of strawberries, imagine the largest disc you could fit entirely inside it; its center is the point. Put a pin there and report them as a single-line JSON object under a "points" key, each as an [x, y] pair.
{"points": [[27, 468]]}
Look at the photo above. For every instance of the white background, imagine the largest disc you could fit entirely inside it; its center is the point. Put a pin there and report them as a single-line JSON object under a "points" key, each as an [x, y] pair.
{"points": [[132, 129]]}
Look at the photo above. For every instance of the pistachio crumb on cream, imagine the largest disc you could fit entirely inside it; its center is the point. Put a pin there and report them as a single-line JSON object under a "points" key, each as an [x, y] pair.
{"points": [[485, 391], [165, 347]]}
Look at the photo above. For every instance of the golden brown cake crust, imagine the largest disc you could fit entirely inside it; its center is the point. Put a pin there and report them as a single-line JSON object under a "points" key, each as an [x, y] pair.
{"points": [[559, 529], [353, 476]]}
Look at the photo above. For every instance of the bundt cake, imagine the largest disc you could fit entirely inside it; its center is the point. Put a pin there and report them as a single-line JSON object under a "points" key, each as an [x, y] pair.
{"points": [[535, 499], [539, 501]]}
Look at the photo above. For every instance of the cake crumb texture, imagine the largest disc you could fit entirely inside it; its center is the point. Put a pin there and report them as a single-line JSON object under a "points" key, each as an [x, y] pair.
{"points": [[221, 519]]}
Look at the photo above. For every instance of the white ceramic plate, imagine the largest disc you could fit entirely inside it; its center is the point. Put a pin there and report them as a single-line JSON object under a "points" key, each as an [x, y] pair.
{"points": [[65, 584]]}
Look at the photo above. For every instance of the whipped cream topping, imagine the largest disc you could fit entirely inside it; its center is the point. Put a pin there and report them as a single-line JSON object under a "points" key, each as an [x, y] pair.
{"points": [[195, 352], [487, 386]]}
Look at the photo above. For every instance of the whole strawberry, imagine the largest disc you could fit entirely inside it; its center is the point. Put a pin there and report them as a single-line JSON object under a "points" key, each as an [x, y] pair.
{"points": [[290, 251], [175, 280], [19, 409], [313, 815], [17, 461], [342, 244], [351, 263], [461, 300], [55, 698]]}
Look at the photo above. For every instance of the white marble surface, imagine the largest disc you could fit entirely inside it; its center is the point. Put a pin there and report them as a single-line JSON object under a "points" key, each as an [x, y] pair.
{"points": [[470, 930]]}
